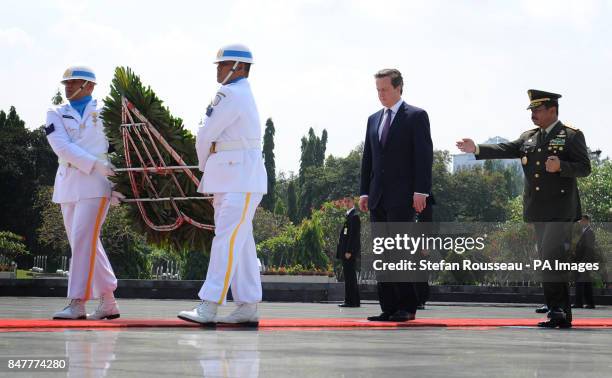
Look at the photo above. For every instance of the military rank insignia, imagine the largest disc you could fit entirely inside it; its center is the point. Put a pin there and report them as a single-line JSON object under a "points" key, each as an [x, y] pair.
{"points": [[209, 110]]}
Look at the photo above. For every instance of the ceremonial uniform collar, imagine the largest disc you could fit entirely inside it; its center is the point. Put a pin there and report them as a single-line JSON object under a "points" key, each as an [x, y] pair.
{"points": [[69, 110], [552, 126]]}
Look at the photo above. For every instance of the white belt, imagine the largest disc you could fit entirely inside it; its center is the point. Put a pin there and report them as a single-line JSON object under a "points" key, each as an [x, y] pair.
{"points": [[65, 163], [235, 145]]}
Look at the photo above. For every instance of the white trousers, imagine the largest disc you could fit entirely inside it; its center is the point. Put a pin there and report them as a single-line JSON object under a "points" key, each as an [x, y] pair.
{"points": [[91, 274], [233, 259]]}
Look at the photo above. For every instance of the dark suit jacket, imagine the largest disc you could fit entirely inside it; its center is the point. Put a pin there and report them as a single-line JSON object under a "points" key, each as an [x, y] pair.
{"points": [[350, 237], [547, 197], [403, 166]]}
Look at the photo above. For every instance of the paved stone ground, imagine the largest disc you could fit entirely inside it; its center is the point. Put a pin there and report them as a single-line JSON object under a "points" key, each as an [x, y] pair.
{"points": [[417, 352]]}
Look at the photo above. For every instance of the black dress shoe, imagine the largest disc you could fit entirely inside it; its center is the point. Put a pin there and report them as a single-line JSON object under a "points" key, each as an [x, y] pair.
{"points": [[554, 323], [590, 307], [541, 310], [402, 316], [576, 306], [383, 317], [348, 305], [556, 313]]}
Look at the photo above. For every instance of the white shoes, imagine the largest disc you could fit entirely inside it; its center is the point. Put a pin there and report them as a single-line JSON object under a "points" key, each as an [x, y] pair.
{"points": [[75, 310], [245, 313], [205, 313], [107, 309]]}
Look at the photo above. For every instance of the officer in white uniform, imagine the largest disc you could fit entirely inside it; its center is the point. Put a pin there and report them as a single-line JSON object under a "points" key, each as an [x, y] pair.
{"points": [[228, 145], [76, 135]]}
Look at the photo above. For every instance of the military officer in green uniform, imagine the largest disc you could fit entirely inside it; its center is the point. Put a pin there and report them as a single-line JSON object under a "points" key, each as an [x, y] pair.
{"points": [[553, 155]]}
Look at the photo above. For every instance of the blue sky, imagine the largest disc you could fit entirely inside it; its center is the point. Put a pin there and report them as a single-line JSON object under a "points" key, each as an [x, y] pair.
{"points": [[468, 63]]}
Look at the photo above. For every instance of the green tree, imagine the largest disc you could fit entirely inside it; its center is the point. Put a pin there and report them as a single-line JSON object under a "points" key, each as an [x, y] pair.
{"points": [[279, 250], [444, 210], [312, 152], [321, 147], [279, 207], [342, 175], [311, 163], [292, 211], [309, 245], [269, 200], [596, 191], [57, 99], [11, 245], [476, 195], [267, 224]]}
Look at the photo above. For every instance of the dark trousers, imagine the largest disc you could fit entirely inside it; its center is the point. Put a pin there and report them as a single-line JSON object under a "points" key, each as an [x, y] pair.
{"points": [[584, 290], [553, 240], [394, 296], [351, 288]]}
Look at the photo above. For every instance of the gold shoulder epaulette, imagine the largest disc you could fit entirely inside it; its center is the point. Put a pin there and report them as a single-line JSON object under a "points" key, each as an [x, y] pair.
{"points": [[570, 127]]}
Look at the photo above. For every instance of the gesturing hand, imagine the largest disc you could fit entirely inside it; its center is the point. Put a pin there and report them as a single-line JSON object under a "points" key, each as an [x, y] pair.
{"points": [[466, 145]]}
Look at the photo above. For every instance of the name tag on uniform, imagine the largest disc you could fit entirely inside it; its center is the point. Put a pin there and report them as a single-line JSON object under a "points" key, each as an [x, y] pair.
{"points": [[67, 116]]}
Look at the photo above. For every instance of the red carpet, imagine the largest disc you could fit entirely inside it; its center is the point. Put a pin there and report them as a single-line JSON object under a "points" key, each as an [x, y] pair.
{"points": [[12, 325]]}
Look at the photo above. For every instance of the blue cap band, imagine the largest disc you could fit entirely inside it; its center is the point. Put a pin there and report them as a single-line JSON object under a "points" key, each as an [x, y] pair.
{"points": [[237, 54], [84, 73]]}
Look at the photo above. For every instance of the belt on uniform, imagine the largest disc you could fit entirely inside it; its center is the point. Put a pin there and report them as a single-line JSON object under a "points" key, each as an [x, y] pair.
{"points": [[234, 145], [65, 163]]}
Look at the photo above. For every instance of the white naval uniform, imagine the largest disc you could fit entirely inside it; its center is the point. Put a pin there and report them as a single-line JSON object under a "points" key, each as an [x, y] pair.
{"points": [[237, 179], [84, 195]]}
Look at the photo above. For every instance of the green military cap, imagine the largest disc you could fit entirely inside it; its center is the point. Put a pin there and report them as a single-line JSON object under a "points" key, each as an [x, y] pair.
{"points": [[538, 98]]}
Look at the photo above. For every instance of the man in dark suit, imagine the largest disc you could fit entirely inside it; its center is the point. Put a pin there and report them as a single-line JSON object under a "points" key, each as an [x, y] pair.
{"points": [[553, 155], [585, 253], [395, 178], [349, 251]]}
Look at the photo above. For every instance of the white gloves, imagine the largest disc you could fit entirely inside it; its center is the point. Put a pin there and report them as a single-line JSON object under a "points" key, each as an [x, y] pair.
{"points": [[104, 167], [116, 198]]}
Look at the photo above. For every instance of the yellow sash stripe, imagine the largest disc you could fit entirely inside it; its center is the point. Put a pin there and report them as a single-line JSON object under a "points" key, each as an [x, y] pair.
{"points": [[230, 259], [94, 245]]}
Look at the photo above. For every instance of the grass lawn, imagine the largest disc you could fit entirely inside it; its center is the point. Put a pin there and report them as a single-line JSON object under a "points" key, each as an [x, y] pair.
{"points": [[24, 273]]}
